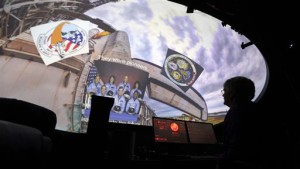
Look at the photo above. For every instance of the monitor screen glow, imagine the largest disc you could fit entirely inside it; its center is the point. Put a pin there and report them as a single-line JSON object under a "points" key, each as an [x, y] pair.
{"points": [[169, 131]]}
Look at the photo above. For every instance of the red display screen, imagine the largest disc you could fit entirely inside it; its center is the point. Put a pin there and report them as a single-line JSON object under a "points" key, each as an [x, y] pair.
{"points": [[169, 130]]}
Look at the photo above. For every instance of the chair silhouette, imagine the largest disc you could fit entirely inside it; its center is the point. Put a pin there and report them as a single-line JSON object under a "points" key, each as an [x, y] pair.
{"points": [[25, 131], [29, 114]]}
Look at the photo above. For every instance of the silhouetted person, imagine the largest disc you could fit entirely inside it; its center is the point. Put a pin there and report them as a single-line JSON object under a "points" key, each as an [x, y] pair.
{"points": [[241, 134]]}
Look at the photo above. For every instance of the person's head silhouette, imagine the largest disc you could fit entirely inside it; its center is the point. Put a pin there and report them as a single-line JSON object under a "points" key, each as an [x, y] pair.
{"points": [[239, 128], [238, 89]]}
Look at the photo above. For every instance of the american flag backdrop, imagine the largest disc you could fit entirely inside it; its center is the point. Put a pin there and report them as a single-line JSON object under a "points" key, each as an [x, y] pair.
{"points": [[90, 79], [92, 73]]}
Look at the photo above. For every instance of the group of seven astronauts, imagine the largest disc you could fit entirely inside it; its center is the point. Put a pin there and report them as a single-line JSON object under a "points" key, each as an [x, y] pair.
{"points": [[126, 99]]}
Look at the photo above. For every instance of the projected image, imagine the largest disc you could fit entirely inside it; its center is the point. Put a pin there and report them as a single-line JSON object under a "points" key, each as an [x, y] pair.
{"points": [[64, 40], [127, 87], [174, 63], [203, 39], [181, 70]]}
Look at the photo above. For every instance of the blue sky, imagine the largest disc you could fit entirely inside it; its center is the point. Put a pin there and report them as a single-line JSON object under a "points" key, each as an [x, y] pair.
{"points": [[153, 26]]}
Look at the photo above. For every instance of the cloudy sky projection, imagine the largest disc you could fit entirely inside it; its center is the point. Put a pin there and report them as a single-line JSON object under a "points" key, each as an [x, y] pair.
{"points": [[153, 26]]}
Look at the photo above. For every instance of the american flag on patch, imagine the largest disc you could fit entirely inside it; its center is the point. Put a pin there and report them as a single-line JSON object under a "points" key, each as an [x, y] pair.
{"points": [[69, 43]]}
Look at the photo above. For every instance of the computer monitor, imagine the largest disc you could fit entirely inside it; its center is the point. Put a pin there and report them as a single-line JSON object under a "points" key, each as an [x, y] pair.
{"points": [[190, 138], [169, 131], [200, 133]]}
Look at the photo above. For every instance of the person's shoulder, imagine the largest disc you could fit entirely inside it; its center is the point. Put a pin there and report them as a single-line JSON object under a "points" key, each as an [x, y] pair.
{"points": [[244, 105]]}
